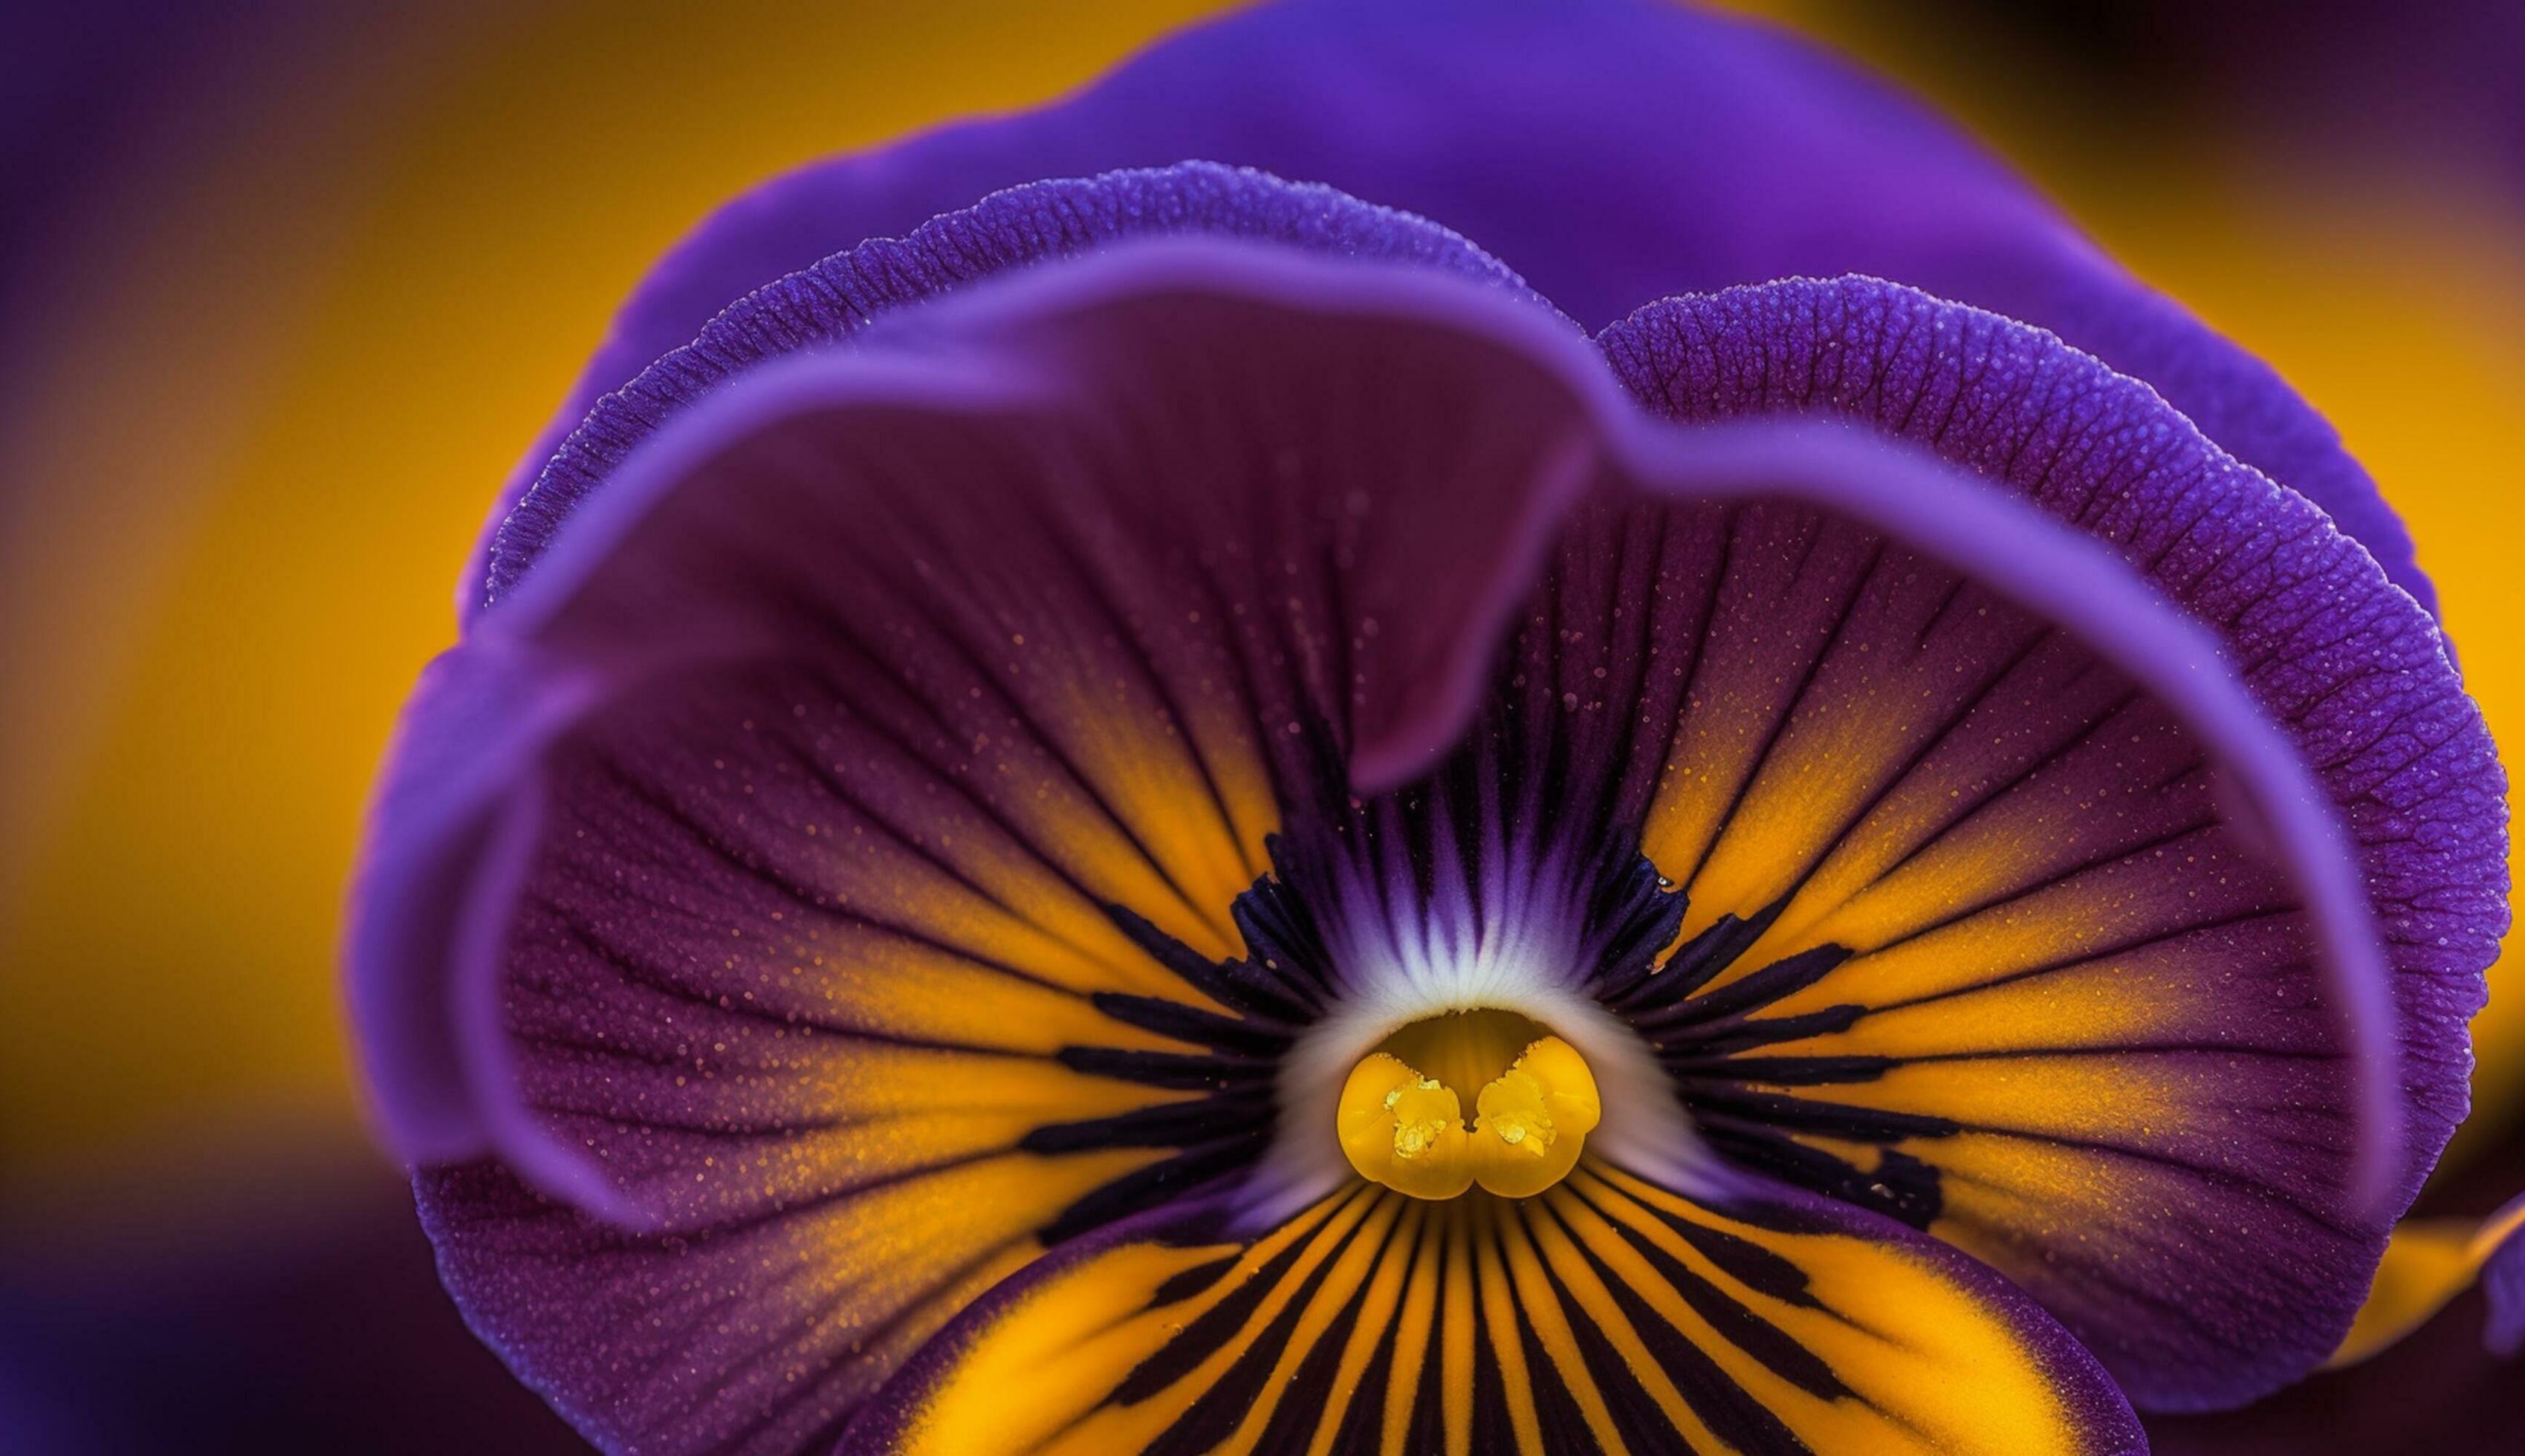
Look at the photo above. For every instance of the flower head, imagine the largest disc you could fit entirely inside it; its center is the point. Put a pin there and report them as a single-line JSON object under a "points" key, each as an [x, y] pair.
{"points": [[1168, 813]]}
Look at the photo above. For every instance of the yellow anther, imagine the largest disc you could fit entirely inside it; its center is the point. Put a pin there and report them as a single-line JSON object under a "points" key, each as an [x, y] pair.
{"points": [[1534, 1120], [1406, 1130]]}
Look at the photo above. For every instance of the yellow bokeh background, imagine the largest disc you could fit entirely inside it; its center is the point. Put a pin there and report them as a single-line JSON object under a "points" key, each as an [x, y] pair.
{"points": [[291, 359]]}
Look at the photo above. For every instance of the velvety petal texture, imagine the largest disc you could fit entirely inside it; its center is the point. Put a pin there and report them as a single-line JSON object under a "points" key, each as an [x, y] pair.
{"points": [[881, 682], [999, 699], [1610, 1314], [1612, 151], [1967, 940], [828, 298], [2067, 1021], [443, 779], [858, 862]]}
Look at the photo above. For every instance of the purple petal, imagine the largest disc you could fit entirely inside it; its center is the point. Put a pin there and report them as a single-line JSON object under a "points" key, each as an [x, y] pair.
{"points": [[1608, 1313], [2417, 1373], [832, 300], [1616, 151], [2083, 892], [746, 882], [786, 796], [757, 1336]]}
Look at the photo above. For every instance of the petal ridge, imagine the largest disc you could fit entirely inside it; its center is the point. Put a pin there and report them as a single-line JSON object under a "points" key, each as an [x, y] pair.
{"points": [[1582, 142], [1023, 355], [831, 301], [2350, 671]]}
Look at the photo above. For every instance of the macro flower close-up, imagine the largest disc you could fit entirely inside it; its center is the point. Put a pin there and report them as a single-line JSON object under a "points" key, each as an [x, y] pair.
{"points": [[1433, 728]]}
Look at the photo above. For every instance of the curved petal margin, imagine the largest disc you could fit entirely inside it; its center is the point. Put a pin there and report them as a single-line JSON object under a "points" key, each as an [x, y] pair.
{"points": [[774, 887], [1614, 151], [2351, 672], [830, 299], [868, 687]]}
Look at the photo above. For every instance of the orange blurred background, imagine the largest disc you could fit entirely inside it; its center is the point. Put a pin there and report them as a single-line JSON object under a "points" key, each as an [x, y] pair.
{"points": [[315, 280]]}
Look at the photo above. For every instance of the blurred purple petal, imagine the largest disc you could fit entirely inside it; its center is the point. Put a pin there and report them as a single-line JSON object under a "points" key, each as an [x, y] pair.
{"points": [[1614, 152], [838, 296]]}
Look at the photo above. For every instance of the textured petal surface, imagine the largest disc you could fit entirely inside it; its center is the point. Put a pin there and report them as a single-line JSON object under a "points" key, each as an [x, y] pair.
{"points": [[1614, 151], [1211, 675], [838, 296], [749, 883], [1967, 940], [780, 817], [1975, 940], [1610, 1314]]}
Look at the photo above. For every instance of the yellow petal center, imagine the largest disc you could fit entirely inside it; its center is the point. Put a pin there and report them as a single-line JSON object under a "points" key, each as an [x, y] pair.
{"points": [[1402, 1118]]}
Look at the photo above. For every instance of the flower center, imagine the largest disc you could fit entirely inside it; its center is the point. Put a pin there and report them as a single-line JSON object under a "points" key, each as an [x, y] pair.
{"points": [[1402, 1115]]}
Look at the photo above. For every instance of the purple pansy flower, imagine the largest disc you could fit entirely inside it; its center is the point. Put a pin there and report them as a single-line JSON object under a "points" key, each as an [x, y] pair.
{"points": [[1174, 808]]}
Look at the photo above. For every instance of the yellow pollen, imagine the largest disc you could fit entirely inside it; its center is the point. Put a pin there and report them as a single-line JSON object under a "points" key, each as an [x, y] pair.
{"points": [[1406, 1129]]}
